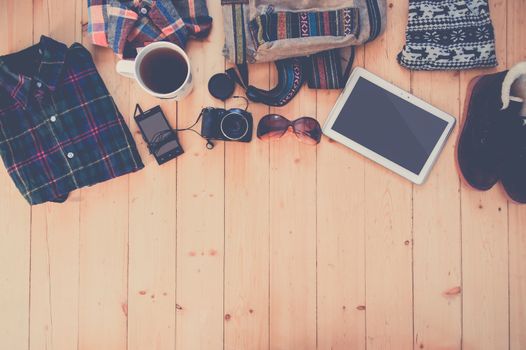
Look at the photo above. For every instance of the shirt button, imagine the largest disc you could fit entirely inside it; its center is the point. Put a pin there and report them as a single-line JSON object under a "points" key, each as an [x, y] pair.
{"points": [[144, 10], [39, 84], [53, 119], [70, 155]]}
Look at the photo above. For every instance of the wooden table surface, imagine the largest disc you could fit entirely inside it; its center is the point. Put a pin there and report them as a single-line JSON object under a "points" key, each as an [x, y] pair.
{"points": [[263, 245]]}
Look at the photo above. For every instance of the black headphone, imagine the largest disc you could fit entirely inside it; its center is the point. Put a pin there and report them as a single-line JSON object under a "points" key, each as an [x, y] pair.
{"points": [[291, 76]]}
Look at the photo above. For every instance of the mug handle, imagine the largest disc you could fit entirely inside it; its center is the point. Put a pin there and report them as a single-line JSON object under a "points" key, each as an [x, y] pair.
{"points": [[126, 68]]}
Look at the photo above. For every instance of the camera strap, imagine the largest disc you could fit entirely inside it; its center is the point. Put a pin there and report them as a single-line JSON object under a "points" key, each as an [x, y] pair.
{"points": [[209, 143]]}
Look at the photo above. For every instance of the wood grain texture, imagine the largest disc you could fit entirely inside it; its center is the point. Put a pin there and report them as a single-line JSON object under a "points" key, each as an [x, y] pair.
{"points": [[103, 260], [55, 228], [15, 213], [516, 52], [517, 261], [485, 240], [267, 245], [152, 242], [388, 216], [340, 239], [247, 234], [436, 230], [293, 232], [200, 209]]}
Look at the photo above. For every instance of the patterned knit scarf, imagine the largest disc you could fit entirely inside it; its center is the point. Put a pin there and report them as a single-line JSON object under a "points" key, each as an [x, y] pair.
{"points": [[448, 35]]}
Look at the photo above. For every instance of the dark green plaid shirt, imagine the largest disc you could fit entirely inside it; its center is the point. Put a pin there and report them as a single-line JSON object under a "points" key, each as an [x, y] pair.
{"points": [[59, 127]]}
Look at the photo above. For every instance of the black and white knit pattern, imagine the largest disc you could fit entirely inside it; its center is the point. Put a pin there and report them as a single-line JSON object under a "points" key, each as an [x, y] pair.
{"points": [[448, 34]]}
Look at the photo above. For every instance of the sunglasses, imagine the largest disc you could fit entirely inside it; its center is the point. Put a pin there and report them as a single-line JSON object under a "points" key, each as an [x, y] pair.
{"points": [[273, 126]]}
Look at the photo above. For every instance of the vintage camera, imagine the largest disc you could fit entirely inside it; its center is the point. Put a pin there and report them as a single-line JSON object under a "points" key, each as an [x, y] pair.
{"points": [[227, 125]]}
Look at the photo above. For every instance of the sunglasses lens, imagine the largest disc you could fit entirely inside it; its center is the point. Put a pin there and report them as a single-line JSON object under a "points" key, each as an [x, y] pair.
{"points": [[308, 130], [272, 126]]}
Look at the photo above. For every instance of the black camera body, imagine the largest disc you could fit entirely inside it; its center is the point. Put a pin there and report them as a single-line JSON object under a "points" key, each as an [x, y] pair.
{"points": [[227, 125]]}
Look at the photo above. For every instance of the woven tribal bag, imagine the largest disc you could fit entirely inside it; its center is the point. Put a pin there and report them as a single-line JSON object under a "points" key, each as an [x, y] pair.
{"points": [[312, 38]]}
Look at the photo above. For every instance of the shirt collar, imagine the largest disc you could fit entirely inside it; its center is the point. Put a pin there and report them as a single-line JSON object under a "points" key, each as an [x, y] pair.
{"points": [[52, 63], [18, 86]]}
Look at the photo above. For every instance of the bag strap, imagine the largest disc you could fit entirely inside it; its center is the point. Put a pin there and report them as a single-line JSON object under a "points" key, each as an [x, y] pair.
{"points": [[375, 19], [324, 69], [321, 71], [239, 32], [291, 76]]}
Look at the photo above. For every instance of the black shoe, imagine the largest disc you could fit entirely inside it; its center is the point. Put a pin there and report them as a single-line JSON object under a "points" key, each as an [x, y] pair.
{"points": [[513, 172], [478, 148]]}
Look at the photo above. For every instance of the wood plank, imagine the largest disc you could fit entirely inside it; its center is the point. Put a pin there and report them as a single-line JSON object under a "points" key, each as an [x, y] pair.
{"points": [[436, 230], [293, 232], [517, 259], [368, 265], [388, 212], [103, 282], [247, 233], [341, 238], [200, 208], [55, 227], [516, 52], [485, 238], [152, 236], [15, 213]]}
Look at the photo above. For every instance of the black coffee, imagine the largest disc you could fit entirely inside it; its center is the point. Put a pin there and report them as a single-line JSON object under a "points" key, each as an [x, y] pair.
{"points": [[163, 70]]}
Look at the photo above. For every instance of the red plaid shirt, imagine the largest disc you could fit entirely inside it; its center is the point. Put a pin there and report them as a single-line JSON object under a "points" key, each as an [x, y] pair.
{"points": [[127, 25]]}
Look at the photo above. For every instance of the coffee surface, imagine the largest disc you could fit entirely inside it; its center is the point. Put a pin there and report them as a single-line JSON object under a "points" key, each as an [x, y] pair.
{"points": [[163, 70]]}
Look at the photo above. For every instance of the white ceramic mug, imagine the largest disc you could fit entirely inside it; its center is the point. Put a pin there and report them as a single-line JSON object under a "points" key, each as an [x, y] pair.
{"points": [[132, 69]]}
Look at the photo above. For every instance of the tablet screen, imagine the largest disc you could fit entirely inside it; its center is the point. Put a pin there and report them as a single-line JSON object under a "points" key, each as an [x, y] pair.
{"points": [[389, 125]]}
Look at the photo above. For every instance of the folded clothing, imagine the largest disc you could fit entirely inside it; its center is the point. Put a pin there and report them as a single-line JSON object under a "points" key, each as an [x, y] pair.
{"points": [[448, 35], [59, 127], [125, 25]]}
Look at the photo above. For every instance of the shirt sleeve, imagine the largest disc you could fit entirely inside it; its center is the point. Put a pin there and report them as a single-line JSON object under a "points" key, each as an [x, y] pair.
{"points": [[195, 16], [109, 23], [165, 16]]}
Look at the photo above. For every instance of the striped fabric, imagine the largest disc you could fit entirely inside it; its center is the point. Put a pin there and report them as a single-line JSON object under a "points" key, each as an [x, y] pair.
{"points": [[238, 17], [324, 70], [59, 128], [127, 25], [290, 80], [289, 25], [375, 19]]}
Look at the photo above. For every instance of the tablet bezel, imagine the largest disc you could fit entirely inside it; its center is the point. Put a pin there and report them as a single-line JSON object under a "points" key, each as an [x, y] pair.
{"points": [[358, 73]]}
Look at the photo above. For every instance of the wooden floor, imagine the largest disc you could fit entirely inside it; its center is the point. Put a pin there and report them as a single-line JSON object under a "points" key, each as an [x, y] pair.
{"points": [[263, 245]]}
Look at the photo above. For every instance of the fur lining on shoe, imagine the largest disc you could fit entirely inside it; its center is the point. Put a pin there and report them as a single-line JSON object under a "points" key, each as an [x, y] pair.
{"points": [[513, 74]]}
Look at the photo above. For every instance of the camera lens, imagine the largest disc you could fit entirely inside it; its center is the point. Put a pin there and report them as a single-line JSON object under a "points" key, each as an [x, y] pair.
{"points": [[234, 126]]}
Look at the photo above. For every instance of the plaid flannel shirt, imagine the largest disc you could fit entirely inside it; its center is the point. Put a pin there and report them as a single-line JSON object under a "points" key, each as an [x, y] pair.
{"points": [[127, 25], [59, 127]]}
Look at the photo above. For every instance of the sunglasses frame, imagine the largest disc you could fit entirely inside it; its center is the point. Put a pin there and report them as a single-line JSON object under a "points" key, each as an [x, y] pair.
{"points": [[290, 123]]}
